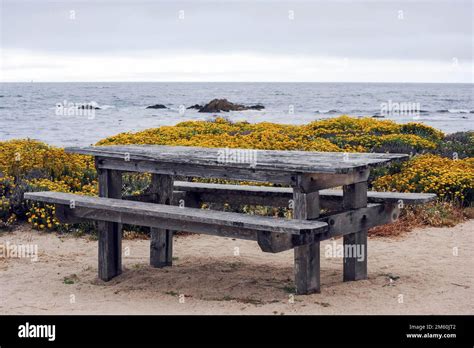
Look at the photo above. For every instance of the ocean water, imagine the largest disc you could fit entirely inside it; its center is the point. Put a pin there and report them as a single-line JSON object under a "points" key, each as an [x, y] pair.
{"points": [[29, 110]]}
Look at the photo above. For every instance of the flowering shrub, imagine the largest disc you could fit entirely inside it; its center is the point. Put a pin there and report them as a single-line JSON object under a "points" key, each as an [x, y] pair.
{"points": [[20, 158], [29, 165], [42, 216], [222, 133], [448, 178], [421, 130], [338, 134], [6, 216]]}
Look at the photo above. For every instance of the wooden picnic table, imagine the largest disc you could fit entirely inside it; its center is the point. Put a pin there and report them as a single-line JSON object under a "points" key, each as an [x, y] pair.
{"points": [[307, 174]]}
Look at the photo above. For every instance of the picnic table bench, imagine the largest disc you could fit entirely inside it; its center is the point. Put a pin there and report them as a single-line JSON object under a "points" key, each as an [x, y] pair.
{"points": [[319, 211]]}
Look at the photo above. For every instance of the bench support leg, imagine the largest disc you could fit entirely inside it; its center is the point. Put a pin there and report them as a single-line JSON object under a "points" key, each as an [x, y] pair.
{"points": [[307, 269], [161, 245], [307, 257], [355, 267], [110, 233], [355, 244]]}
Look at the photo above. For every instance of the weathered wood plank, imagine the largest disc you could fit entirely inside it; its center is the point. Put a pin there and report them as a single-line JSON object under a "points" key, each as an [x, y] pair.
{"points": [[161, 240], [236, 200], [271, 242], [306, 205], [263, 160], [157, 215], [110, 233], [64, 215], [351, 221], [319, 181], [337, 224], [341, 224], [165, 223], [307, 256], [281, 196], [355, 267], [407, 198], [180, 198], [177, 169]]}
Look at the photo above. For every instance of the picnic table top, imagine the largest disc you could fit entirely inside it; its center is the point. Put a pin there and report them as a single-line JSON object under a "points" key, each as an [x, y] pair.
{"points": [[257, 160]]}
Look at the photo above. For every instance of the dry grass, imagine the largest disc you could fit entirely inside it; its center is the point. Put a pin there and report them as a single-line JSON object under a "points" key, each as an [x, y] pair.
{"points": [[435, 214], [469, 212], [131, 235]]}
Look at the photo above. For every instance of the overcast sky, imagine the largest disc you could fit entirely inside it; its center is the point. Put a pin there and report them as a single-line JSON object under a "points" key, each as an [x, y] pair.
{"points": [[127, 40]]}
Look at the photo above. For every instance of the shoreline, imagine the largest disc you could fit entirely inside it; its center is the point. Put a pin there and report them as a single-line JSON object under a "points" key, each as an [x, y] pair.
{"points": [[212, 116], [29, 109]]}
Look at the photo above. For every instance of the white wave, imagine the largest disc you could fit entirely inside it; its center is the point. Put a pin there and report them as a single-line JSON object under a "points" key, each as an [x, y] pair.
{"points": [[458, 111]]}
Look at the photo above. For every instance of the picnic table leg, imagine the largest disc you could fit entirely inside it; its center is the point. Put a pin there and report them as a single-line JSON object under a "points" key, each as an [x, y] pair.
{"points": [[110, 233], [307, 257], [161, 246], [355, 266]]}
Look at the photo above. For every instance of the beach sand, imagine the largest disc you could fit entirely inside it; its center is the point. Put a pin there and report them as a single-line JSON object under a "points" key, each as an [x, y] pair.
{"points": [[209, 278]]}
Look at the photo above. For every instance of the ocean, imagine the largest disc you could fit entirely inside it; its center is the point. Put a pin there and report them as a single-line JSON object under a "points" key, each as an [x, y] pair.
{"points": [[29, 110]]}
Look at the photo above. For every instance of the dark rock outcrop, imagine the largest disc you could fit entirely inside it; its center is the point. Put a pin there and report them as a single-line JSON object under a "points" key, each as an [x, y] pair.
{"points": [[88, 107], [218, 105], [195, 106], [156, 106], [256, 107]]}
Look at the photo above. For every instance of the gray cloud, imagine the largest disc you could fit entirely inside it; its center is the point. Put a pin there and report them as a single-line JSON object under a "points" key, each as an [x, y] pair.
{"points": [[430, 30]]}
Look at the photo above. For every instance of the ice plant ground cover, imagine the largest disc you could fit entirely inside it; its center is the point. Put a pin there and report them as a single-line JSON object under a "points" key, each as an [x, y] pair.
{"points": [[441, 164]]}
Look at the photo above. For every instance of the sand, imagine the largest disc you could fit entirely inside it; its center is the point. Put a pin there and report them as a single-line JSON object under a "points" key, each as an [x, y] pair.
{"points": [[426, 271]]}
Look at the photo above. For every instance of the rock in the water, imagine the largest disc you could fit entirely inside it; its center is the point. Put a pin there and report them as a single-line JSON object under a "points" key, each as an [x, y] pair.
{"points": [[88, 107], [195, 106], [256, 107], [218, 105], [156, 106]]}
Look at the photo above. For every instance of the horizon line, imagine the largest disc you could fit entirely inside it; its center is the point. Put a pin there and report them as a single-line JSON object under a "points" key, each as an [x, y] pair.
{"points": [[105, 81]]}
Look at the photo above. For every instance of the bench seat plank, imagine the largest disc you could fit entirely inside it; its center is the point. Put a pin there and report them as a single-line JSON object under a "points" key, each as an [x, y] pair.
{"points": [[186, 215], [286, 193]]}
